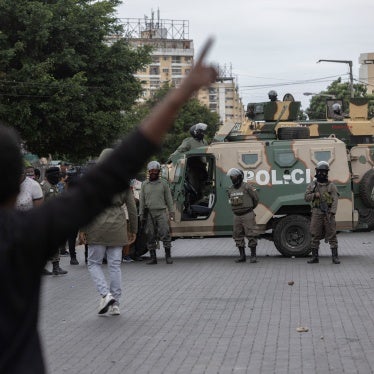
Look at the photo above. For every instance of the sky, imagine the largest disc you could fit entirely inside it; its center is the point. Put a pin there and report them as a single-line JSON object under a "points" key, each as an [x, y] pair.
{"points": [[274, 44]]}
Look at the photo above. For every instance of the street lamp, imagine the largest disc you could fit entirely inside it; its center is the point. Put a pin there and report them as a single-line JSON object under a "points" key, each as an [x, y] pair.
{"points": [[350, 71], [319, 94]]}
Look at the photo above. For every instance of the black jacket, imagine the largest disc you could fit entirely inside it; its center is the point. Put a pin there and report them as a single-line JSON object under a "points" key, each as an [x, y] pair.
{"points": [[28, 239]]}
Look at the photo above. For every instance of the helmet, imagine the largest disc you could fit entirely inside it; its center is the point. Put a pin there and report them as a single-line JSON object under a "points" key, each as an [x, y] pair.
{"points": [[153, 165], [323, 165], [336, 107], [272, 95], [197, 131], [236, 175]]}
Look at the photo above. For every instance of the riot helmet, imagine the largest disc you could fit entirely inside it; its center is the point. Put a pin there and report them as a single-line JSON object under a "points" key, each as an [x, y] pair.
{"points": [[236, 176], [337, 108], [198, 131], [322, 171], [153, 168], [273, 95]]}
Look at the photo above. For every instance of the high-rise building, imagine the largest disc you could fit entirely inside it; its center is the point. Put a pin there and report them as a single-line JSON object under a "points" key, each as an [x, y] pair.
{"points": [[172, 58], [366, 71], [223, 97]]}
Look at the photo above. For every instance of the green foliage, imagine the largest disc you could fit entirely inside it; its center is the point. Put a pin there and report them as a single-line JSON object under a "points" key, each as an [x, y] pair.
{"points": [[317, 108], [62, 84], [191, 113]]}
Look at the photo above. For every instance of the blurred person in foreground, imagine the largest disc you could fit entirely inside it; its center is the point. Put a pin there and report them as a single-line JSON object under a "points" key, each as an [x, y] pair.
{"points": [[28, 239]]}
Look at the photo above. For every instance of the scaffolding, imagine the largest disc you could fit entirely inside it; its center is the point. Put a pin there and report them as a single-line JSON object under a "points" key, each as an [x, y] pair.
{"points": [[155, 28]]}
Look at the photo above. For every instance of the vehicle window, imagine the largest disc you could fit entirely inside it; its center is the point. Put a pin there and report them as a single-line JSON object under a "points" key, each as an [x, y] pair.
{"points": [[284, 158], [322, 156], [250, 159]]}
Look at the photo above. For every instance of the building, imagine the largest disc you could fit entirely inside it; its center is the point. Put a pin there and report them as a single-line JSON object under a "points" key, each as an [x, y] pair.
{"points": [[223, 98], [172, 58], [366, 71]]}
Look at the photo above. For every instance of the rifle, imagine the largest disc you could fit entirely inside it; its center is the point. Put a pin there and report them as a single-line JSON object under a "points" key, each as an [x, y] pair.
{"points": [[147, 214], [323, 206]]}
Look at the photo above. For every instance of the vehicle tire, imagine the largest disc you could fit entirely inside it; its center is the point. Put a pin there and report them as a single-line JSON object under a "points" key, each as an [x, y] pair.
{"points": [[366, 216], [366, 189], [289, 133], [292, 236]]}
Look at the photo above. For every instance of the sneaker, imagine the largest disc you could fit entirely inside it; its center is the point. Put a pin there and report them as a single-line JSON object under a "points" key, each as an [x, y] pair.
{"points": [[127, 259], [74, 261], [105, 303], [64, 253], [114, 310]]}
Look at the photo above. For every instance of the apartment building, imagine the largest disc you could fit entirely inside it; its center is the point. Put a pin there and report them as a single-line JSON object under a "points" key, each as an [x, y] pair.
{"points": [[172, 58], [366, 71]]}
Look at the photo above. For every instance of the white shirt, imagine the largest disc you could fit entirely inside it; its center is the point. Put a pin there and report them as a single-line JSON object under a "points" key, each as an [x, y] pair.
{"points": [[30, 190]]}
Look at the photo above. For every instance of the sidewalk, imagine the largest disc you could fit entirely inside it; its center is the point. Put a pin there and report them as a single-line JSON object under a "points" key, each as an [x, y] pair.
{"points": [[207, 314]]}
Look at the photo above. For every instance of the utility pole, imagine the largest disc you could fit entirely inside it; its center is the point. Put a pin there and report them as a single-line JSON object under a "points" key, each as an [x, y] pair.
{"points": [[350, 71]]}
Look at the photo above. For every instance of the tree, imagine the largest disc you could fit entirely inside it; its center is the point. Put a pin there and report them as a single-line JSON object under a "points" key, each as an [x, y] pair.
{"points": [[63, 83], [337, 89], [191, 113]]}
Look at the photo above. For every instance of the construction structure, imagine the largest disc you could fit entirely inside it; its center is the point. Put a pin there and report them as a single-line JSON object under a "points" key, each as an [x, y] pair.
{"points": [[172, 58]]}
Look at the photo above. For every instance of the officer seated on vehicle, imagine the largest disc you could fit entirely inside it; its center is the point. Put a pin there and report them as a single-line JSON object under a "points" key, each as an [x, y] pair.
{"points": [[272, 95]]}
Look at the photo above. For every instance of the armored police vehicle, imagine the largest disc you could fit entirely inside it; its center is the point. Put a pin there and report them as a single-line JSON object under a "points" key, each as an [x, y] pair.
{"points": [[278, 120], [280, 170]]}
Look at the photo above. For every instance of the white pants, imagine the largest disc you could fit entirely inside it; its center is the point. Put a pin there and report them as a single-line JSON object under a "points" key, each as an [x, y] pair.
{"points": [[96, 254]]}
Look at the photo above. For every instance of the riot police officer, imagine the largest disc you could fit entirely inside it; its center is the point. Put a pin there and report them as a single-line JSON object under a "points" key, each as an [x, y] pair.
{"points": [[323, 196], [243, 198], [272, 95], [195, 140], [155, 201]]}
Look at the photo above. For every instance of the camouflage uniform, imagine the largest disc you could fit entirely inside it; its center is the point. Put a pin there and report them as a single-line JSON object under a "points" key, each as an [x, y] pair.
{"points": [[187, 145], [154, 199], [322, 223], [243, 200]]}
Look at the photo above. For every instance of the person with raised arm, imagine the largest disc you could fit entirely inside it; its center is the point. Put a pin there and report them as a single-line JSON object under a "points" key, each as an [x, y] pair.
{"points": [[29, 238]]}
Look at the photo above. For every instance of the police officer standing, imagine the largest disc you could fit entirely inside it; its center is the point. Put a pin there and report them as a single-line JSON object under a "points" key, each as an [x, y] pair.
{"points": [[323, 196], [154, 199], [50, 190], [243, 198]]}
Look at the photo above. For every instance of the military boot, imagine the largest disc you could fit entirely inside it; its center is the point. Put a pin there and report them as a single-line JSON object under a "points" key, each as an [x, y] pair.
{"points": [[253, 258], [57, 270], [242, 257], [168, 256], [153, 260], [335, 258], [314, 259]]}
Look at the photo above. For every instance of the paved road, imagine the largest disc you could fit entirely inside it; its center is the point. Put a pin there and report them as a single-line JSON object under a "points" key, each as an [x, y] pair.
{"points": [[206, 314]]}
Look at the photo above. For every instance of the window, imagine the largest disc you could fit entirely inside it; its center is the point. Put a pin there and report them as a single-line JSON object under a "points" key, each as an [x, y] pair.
{"points": [[250, 159], [154, 70], [284, 158], [176, 59], [176, 71], [322, 156]]}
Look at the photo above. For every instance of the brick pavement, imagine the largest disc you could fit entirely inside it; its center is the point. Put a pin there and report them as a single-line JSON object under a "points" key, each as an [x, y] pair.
{"points": [[207, 314]]}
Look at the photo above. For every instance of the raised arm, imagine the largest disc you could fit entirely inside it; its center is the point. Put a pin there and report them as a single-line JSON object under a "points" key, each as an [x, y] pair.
{"points": [[162, 117]]}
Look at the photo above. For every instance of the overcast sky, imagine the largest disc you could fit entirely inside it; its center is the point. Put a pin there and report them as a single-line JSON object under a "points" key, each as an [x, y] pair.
{"points": [[273, 43]]}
